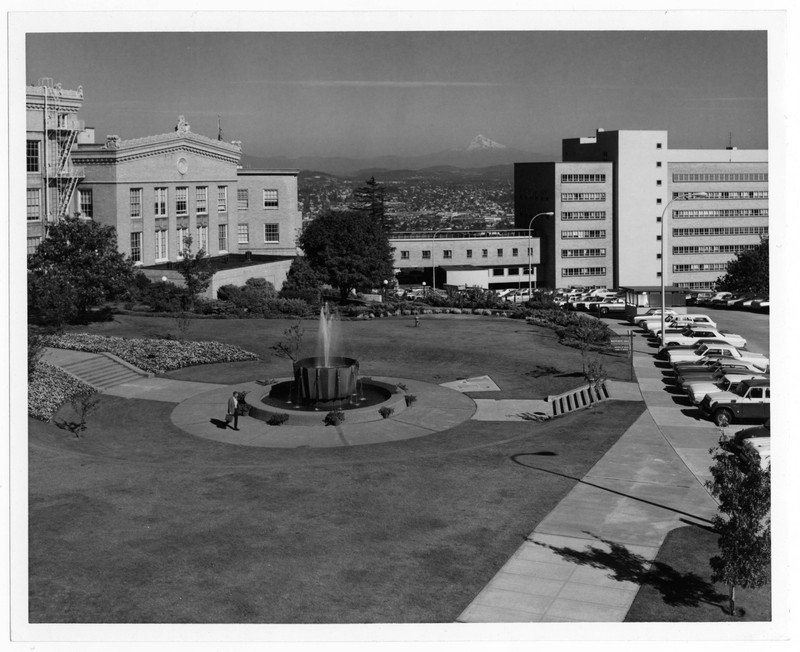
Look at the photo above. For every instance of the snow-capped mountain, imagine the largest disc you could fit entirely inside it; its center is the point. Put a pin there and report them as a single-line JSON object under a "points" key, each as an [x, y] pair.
{"points": [[481, 142]]}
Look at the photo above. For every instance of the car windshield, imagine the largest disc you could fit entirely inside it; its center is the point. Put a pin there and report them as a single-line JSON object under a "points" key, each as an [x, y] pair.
{"points": [[741, 390]]}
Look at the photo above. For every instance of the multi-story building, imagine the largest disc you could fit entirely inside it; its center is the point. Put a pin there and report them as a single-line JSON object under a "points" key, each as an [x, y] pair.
{"points": [[715, 203], [158, 190], [52, 129], [488, 259], [576, 241]]}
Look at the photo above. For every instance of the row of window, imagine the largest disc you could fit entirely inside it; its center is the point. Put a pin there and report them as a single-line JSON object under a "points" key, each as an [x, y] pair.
{"points": [[571, 235], [722, 176], [694, 285], [583, 196], [701, 267], [723, 212], [161, 239], [512, 271], [583, 271], [583, 178], [583, 215], [582, 253], [447, 254], [713, 249], [721, 230], [269, 200], [729, 194]]}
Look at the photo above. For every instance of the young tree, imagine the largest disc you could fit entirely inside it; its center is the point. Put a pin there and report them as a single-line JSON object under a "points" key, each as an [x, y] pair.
{"points": [[83, 255], [742, 489], [748, 272], [301, 277], [349, 250], [195, 271]]}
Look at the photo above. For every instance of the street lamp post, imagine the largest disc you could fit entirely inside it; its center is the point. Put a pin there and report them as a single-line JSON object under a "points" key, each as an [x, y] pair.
{"points": [[385, 288], [685, 195], [530, 224]]}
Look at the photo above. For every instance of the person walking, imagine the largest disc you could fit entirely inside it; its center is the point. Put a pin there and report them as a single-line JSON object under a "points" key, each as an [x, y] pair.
{"points": [[416, 321], [233, 411]]}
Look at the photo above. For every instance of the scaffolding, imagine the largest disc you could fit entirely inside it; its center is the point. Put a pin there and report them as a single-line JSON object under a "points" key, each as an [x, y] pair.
{"points": [[61, 129]]}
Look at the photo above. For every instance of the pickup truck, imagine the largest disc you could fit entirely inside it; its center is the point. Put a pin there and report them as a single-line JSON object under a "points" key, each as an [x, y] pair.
{"points": [[693, 334], [713, 368], [697, 390], [749, 401], [717, 351]]}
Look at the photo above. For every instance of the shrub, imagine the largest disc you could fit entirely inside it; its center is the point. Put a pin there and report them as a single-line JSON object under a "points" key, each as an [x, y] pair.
{"points": [[410, 399], [277, 418], [334, 418], [386, 412], [167, 297], [49, 388]]}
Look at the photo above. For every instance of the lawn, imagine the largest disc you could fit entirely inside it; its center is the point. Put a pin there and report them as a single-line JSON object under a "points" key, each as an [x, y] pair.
{"points": [[679, 589], [140, 522]]}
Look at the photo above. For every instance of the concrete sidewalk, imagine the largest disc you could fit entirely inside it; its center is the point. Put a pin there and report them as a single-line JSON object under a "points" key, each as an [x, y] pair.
{"points": [[582, 563]]}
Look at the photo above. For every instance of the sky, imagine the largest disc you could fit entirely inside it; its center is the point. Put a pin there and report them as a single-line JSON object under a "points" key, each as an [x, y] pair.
{"points": [[364, 94]]}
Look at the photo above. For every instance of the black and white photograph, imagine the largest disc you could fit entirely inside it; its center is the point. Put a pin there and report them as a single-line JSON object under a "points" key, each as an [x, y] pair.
{"points": [[399, 325]]}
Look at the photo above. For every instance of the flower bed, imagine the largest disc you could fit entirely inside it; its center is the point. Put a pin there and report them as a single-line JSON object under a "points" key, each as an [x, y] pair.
{"points": [[152, 355], [49, 388]]}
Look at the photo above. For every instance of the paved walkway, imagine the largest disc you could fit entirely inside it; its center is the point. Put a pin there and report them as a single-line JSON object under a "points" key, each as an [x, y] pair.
{"points": [[582, 563]]}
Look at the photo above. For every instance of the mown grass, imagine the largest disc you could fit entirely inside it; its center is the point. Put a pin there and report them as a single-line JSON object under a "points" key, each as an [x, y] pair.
{"points": [[139, 521]]}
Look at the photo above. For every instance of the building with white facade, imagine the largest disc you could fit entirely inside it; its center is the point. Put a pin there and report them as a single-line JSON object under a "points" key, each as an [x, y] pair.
{"points": [[715, 203]]}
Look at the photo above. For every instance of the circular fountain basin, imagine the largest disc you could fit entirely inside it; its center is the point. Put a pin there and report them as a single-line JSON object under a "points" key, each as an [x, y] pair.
{"points": [[282, 397], [321, 380]]}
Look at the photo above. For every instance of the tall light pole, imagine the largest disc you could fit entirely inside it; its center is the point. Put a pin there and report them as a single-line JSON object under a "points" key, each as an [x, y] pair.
{"points": [[685, 195], [530, 224]]}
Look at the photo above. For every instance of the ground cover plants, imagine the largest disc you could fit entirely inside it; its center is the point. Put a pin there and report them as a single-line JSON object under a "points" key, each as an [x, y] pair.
{"points": [[150, 354], [49, 388]]}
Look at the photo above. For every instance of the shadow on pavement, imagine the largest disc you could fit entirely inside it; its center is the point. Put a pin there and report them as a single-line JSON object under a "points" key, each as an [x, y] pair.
{"points": [[676, 588]]}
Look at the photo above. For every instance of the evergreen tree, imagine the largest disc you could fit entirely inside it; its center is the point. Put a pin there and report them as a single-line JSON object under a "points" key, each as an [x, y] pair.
{"points": [[742, 488], [349, 250], [748, 273], [369, 199]]}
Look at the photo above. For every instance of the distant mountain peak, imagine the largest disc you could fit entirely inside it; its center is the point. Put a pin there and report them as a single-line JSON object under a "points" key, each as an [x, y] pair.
{"points": [[482, 142]]}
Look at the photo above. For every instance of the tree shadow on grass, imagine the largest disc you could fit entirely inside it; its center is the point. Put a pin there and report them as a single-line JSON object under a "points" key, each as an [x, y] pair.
{"points": [[676, 588], [71, 426]]}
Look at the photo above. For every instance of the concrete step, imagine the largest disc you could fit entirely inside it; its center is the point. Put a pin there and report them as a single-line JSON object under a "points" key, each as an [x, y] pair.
{"points": [[577, 399], [102, 372]]}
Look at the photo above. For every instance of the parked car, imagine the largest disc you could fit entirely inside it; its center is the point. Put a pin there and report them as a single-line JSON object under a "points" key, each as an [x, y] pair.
{"points": [[612, 304], [748, 402], [693, 334], [716, 350], [645, 322], [697, 298], [663, 354], [652, 312], [709, 368], [679, 322], [761, 306], [697, 390], [748, 304]]}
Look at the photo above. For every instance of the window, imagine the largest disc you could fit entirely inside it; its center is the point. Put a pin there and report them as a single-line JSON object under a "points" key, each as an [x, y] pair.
{"points": [[271, 233], [404, 255], [33, 244], [499, 253], [244, 233], [722, 230], [447, 253], [583, 196], [530, 251], [469, 253], [583, 178], [658, 201], [32, 156], [484, 253], [271, 199], [181, 201], [202, 238], [583, 215], [136, 246], [724, 212], [182, 233], [135, 202], [223, 237], [499, 271], [160, 206], [426, 254], [85, 201], [658, 145], [583, 271], [161, 242], [242, 198], [34, 201], [714, 249], [658, 164], [701, 267], [582, 253], [728, 194], [201, 199], [515, 252], [513, 271], [658, 182], [222, 199], [729, 176], [569, 235]]}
